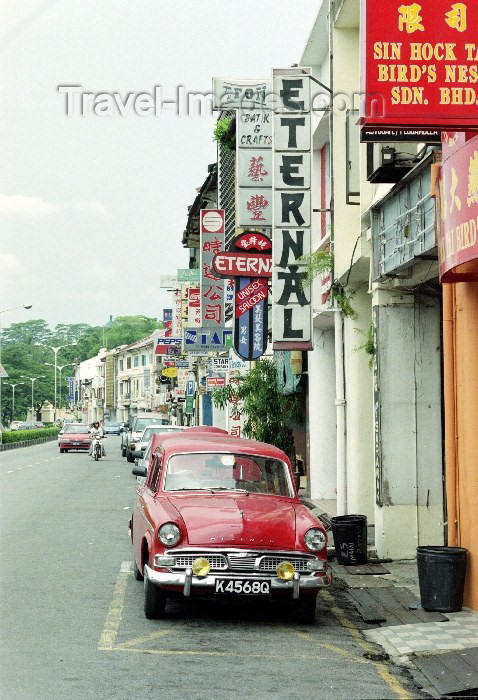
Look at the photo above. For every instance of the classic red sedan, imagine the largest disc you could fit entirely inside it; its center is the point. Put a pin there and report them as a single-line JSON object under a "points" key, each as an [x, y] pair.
{"points": [[219, 516], [76, 436]]}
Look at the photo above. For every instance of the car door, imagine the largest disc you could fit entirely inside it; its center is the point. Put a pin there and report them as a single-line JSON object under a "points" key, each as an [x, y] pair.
{"points": [[144, 526]]}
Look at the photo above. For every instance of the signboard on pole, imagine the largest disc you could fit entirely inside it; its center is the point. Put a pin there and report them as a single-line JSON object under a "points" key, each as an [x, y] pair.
{"points": [[215, 382], [189, 275], [70, 381], [212, 240], [240, 94], [291, 303], [419, 65], [207, 339], [168, 346], [219, 364]]}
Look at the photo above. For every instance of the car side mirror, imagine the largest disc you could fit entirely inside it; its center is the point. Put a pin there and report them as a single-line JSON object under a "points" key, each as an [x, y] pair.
{"points": [[139, 471]]}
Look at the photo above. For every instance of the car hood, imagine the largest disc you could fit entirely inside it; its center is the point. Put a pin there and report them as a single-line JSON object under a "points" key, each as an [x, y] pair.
{"points": [[237, 519]]}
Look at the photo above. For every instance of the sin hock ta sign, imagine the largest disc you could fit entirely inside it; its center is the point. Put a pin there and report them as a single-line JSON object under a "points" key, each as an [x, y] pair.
{"points": [[419, 65]]}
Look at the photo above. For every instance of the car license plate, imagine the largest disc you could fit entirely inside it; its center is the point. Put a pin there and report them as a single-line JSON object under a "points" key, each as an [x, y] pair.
{"points": [[242, 586], [77, 443]]}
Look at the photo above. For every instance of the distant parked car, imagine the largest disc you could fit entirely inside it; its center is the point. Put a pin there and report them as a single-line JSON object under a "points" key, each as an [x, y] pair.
{"points": [[132, 434], [38, 424], [112, 428], [76, 436], [15, 424], [148, 433]]}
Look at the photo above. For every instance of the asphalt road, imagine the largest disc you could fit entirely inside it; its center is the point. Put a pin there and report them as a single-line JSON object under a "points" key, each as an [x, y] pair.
{"points": [[71, 618]]}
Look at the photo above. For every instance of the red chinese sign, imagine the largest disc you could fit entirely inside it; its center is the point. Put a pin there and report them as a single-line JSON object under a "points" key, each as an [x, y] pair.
{"points": [[212, 235], [243, 264], [457, 208], [420, 64]]}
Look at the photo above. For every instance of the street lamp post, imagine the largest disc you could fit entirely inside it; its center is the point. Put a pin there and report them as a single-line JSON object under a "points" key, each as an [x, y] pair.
{"points": [[20, 306], [56, 350], [33, 380], [59, 368], [13, 397]]}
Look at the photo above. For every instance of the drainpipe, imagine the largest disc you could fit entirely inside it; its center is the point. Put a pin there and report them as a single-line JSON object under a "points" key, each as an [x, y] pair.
{"points": [[338, 320], [340, 411], [449, 390]]}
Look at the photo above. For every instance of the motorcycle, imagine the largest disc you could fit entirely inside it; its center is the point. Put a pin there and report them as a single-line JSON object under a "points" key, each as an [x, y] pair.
{"points": [[97, 447]]}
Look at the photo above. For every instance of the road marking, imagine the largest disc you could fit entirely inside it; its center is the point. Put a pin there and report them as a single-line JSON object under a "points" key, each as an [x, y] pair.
{"points": [[115, 612], [143, 640], [334, 648], [382, 670], [19, 469], [10, 471]]}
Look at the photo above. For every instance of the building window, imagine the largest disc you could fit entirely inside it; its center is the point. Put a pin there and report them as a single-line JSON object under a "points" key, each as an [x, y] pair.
{"points": [[143, 360], [150, 359], [121, 364], [128, 363], [136, 361]]}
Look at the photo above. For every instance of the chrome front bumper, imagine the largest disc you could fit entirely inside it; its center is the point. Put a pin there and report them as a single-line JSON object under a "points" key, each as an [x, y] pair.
{"points": [[187, 580]]}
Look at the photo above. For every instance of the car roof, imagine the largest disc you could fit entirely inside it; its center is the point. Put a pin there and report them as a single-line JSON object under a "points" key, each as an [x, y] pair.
{"points": [[210, 442]]}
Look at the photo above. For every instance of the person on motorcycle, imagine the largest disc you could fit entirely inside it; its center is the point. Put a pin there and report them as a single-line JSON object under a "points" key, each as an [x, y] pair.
{"points": [[97, 431]]}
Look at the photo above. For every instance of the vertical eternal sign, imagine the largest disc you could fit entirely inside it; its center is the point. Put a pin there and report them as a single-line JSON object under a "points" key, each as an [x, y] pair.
{"points": [[212, 237], [291, 241]]}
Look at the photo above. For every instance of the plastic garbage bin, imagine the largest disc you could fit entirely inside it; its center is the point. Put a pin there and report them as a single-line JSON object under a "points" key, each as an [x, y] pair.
{"points": [[350, 539], [441, 577]]}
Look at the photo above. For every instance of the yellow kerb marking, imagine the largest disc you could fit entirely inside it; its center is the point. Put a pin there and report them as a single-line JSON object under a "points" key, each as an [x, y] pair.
{"points": [[142, 640], [381, 668], [115, 613]]}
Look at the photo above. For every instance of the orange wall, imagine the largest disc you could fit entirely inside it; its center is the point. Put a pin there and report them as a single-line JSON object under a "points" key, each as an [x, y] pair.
{"points": [[461, 418]]}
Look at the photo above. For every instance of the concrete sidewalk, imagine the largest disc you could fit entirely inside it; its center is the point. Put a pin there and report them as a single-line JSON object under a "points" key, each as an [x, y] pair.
{"points": [[442, 655]]}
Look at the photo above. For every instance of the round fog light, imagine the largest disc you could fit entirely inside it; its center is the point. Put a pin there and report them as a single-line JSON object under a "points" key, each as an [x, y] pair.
{"points": [[285, 570], [201, 567]]}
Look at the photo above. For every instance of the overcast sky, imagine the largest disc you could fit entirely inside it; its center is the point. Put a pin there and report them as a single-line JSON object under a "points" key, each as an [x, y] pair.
{"points": [[92, 208]]}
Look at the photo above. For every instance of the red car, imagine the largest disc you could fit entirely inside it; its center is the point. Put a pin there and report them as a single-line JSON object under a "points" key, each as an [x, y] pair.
{"points": [[76, 436], [219, 516]]}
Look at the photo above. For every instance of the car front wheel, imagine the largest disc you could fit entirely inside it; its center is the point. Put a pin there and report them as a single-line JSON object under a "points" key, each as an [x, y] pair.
{"points": [[129, 456], [154, 601], [61, 450]]}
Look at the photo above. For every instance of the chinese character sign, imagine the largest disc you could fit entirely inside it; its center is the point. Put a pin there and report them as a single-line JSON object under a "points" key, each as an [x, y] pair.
{"points": [[420, 64], [291, 309], [457, 210], [212, 241]]}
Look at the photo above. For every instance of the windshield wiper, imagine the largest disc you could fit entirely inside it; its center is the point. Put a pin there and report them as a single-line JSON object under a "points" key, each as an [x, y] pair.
{"points": [[228, 488], [192, 488]]}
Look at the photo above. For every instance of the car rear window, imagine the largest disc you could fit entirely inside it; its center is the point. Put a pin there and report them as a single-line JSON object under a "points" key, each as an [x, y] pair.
{"points": [[141, 423], [149, 432], [82, 429]]}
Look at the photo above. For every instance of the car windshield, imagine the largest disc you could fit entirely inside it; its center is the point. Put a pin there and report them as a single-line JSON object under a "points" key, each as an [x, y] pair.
{"points": [[112, 425], [83, 429], [149, 432], [227, 472], [142, 423]]}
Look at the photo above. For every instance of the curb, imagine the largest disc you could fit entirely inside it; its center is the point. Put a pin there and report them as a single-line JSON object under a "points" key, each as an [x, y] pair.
{"points": [[26, 443]]}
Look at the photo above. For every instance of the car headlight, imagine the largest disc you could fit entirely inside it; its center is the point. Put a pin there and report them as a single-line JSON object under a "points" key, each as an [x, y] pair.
{"points": [[169, 534], [315, 539]]}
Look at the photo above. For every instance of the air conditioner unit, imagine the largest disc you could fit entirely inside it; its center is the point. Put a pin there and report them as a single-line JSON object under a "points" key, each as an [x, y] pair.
{"points": [[389, 162]]}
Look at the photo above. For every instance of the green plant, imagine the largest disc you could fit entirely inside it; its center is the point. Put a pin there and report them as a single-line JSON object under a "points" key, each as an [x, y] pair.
{"points": [[20, 435], [266, 410], [343, 297], [368, 344], [318, 263], [222, 133]]}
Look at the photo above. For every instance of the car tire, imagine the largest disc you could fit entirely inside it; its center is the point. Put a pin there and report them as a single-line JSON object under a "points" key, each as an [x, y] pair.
{"points": [[61, 450], [304, 610], [123, 451], [154, 601], [129, 456], [137, 573], [65, 450]]}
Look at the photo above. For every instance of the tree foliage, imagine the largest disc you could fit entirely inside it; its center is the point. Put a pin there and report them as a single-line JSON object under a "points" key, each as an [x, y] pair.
{"points": [[21, 356], [267, 412]]}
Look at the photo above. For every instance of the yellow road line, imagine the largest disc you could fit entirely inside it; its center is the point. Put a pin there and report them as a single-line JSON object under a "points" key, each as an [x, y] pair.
{"points": [[382, 670], [115, 613], [196, 652], [143, 640]]}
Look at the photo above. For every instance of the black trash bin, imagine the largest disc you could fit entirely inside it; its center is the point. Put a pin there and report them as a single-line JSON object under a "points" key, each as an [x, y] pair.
{"points": [[350, 539], [441, 577]]}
